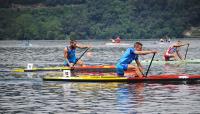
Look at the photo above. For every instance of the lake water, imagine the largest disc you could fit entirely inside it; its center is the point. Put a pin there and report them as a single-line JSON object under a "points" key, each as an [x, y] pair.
{"points": [[28, 93]]}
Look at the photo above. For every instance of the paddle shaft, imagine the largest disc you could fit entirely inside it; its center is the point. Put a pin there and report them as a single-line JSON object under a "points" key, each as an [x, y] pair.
{"points": [[150, 64], [186, 52], [80, 57]]}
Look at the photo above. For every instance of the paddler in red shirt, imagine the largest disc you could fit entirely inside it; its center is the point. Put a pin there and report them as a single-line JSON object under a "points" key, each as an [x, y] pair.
{"points": [[173, 51]]}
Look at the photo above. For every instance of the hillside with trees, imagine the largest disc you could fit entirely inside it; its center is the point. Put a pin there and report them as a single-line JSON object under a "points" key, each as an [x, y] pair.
{"points": [[96, 19]]}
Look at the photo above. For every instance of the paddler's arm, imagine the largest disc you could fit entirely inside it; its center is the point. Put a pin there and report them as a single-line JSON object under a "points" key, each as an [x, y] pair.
{"points": [[182, 44], [179, 55], [65, 56], [82, 46], [144, 52], [139, 65]]}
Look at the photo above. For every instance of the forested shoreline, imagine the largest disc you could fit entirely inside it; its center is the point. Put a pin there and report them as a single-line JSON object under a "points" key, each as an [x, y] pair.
{"points": [[96, 19]]}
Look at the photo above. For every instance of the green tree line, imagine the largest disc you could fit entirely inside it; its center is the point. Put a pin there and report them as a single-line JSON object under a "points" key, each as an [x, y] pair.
{"points": [[96, 19]]}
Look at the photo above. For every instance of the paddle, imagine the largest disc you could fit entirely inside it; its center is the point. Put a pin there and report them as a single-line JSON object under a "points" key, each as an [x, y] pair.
{"points": [[79, 58], [150, 65], [186, 51]]}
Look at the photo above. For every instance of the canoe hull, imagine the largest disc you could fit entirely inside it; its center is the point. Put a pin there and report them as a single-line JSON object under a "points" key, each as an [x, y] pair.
{"points": [[158, 78], [102, 68]]}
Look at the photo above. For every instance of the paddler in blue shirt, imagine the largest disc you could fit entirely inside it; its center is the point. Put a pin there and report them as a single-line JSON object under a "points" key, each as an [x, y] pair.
{"points": [[173, 51], [129, 55], [70, 53]]}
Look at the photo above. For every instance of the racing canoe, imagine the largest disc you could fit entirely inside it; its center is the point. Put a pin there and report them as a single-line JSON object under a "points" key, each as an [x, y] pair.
{"points": [[111, 78], [87, 68]]}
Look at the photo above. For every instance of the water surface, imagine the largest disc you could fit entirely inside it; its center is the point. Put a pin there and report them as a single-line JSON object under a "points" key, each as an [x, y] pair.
{"points": [[28, 93]]}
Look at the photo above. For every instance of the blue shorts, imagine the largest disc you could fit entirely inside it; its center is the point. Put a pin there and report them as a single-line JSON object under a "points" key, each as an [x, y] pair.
{"points": [[120, 68], [66, 64]]}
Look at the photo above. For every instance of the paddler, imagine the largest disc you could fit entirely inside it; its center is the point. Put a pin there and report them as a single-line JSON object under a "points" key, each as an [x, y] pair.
{"points": [[129, 55], [70, 53], [173, 51]]}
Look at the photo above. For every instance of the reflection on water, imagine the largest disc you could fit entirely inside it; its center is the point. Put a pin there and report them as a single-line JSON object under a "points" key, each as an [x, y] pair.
{"points": [[28, 93], [58, 97]]}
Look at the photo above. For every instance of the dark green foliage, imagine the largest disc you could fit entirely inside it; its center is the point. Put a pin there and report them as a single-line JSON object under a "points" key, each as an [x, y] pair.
{"points": [[98, 19]]}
